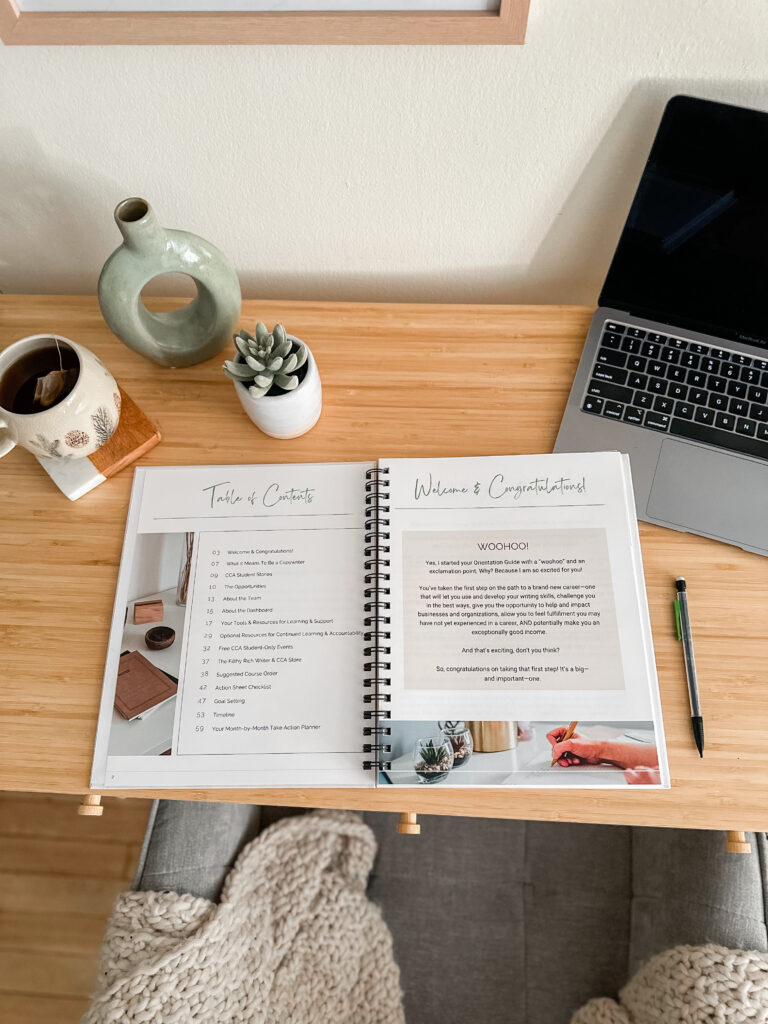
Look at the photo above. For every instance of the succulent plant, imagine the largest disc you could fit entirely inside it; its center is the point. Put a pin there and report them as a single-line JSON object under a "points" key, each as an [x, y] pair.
{"points": [[433, 755], [268, 360]]}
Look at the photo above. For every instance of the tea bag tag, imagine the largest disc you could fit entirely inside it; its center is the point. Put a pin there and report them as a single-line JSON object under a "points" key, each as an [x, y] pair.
{"points": [[49, 387]]}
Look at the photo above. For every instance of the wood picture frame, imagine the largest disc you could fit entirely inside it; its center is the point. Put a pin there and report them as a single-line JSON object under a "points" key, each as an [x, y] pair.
{"points": [[81, 28]]}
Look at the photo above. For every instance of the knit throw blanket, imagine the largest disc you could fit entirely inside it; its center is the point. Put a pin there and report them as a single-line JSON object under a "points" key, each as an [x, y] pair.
{"points": [[689, 985], [294, 939]]}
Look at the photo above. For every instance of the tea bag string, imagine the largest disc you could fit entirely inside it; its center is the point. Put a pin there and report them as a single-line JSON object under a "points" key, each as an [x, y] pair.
{"points": [[58, 349]]}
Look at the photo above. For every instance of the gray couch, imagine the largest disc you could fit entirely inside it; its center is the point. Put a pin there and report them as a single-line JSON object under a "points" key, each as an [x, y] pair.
{"points": [[512, 922]]}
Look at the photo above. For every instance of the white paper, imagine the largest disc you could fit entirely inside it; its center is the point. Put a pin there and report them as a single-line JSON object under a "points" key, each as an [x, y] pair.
{"points": [[540, 554], [270, 647]]}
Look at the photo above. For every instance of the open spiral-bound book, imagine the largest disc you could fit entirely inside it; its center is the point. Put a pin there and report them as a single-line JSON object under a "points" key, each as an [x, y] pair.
{"points": [[407, 622]]}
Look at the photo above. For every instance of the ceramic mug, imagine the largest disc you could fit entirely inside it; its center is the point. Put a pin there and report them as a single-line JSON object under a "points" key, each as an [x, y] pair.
{"points": [[73, 427]]}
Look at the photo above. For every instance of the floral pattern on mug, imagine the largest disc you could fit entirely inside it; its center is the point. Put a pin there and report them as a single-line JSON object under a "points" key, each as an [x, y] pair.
{"points": [[50, 449], [103, 424], [76, 438]]}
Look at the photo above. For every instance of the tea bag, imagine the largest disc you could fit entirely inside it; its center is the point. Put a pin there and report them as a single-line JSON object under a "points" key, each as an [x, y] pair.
{"points": [[49, 388]]}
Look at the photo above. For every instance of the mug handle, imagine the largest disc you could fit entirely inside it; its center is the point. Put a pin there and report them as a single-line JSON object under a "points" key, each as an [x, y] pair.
{"points": [[5, 442]]}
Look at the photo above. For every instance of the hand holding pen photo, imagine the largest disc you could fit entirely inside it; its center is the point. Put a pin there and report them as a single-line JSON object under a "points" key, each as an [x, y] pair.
{"points": [[563, 739], [572, 750], [683, 624]]}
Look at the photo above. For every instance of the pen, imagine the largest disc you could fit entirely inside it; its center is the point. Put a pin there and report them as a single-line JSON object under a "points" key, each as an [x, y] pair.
{"points": [[568, 733], [683, 624]]}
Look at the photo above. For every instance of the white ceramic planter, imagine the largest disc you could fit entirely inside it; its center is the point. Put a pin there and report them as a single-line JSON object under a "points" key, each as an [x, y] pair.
{"points": [[290, 414]]}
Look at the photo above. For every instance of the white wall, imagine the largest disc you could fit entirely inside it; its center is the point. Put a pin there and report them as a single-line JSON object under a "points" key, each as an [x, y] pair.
{"points": [[430, 173], [156, 564]]}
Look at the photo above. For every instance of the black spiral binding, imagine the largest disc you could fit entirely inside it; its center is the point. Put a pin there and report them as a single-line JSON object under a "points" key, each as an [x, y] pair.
{"points": [[377, 605]]}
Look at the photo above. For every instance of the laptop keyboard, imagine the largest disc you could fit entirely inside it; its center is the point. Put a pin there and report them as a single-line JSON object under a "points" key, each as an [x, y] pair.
{"points": [[680, 387]]}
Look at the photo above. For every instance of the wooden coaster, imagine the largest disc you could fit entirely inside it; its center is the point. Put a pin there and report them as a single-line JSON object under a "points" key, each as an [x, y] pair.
{"points": [[134, 436]]}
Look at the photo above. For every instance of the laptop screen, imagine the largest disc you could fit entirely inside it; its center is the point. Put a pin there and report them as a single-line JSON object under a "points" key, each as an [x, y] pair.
{"points": [[694, 249]]}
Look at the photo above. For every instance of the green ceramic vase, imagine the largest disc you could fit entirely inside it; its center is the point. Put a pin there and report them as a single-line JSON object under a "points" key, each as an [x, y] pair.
{"points": [[185, 336]]}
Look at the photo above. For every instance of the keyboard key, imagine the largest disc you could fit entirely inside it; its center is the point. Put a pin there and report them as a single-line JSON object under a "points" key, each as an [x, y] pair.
{"points": [[719, 402], [761, 364], [738, 407], [697, 379], [633, 414], [758, 395], [662, 404], [677, 391], [636, 363], [651, 350], [594, 405], [615, 328], [613, 409], [637, 380], [700, 350], [607, 355], [725, 421], [676, 373], [610, 373], [691, 361], [631, 345], [764, 380], [657, 386], [684, 409], [736, 388], [677, 343], [759, 412], [762, 431], [719, 353], [602, 389], [657, 339], [697, 396], [611, 340], [643, 399], [704, 415], [717, 384], [670, 355], [750, 375], [656, 369], [710, 365], [740, 359], [730, 371], [635, 332], [745, 427], [656, 421], [720, 438]]}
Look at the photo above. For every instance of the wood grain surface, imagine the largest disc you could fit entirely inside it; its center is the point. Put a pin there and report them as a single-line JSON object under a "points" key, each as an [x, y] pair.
{"points": [[134, 436], [59, 876], [399, 380], [248, 28]]}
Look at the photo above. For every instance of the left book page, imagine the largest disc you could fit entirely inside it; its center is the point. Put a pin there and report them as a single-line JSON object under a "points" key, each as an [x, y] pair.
{"points": [[236, 651]]}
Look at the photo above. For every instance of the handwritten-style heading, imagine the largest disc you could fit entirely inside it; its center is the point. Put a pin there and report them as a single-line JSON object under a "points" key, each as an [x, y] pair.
{"points": [[499, 487], [273, 495]]}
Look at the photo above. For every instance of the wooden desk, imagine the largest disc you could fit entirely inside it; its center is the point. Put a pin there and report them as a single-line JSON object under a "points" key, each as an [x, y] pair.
{"points": [[399, 380]]}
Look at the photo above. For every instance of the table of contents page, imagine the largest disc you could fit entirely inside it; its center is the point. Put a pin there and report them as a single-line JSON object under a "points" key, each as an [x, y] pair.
{"points": [[256, 573]]}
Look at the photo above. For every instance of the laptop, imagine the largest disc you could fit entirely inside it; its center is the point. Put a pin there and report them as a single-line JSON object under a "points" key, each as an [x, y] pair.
{"points": [[675, 366]]}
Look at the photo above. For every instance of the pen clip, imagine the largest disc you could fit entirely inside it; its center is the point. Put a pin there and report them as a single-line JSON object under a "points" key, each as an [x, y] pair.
{"points": [[676, 604]]}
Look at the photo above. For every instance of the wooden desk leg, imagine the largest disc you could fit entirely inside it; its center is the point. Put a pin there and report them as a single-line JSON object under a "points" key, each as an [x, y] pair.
{"points": [[408, 825], [91, 805], [736, 842]]}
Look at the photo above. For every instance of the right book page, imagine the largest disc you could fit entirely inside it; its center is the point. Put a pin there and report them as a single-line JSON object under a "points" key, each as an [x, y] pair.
{"points": [[518, 617]]}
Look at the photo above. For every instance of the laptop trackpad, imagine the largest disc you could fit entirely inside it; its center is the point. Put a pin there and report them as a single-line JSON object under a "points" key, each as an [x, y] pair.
{"points": [[722, 496]]}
